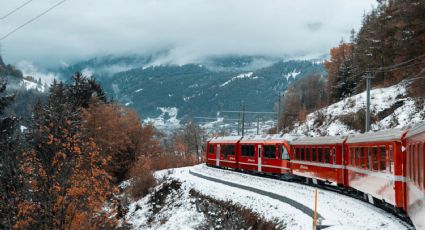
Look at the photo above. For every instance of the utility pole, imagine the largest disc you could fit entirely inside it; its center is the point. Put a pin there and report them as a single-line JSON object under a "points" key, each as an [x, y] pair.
{"points": [[368, 78], [258, 125], [243, 118], [239, 121], [278, 115]]}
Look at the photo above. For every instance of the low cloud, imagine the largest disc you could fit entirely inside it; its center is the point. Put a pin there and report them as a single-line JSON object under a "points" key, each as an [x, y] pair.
{"points": [[187, 29]]}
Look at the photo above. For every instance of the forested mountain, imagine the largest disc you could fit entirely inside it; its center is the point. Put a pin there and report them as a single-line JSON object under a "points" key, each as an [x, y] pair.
{"points": [[389, 46], [26, 90], [199, 89]]}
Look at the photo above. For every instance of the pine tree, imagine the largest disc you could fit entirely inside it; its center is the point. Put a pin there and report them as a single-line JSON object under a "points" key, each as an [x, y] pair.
{"points": [[65, 177], [9, 147]]}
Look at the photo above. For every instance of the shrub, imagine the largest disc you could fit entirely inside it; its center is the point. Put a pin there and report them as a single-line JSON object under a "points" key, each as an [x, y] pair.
{"points": [[142, 178]]}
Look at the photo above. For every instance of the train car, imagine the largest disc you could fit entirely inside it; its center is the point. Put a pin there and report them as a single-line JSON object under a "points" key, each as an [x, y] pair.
{"points": [[223, 151], [319, 159], [271, 154], [264, 154], [249, 153], [415, 173], [375, 166]]}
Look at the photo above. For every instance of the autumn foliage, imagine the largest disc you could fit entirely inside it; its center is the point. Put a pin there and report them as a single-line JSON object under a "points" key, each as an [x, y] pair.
{"points": [[64, 174], [120, 135], [389, 46]]}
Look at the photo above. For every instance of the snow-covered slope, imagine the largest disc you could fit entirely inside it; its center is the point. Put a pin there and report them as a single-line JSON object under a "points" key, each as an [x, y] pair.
{"points": [[390, 106], [28, 85], [179, 212]]}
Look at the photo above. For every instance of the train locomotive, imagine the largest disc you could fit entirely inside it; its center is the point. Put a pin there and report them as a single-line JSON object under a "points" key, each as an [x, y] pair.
{"points": [[384, 167]]}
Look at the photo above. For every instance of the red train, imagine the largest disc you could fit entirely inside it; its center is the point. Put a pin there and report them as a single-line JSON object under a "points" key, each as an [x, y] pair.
{"points": [[385, 167]]}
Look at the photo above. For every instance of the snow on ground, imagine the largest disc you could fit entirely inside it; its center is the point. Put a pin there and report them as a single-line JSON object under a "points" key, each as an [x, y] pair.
{"points": [[29, 69], [167, 120], [32, 85], [382, 99], [240, 76], [179, 212], [339, 211]]}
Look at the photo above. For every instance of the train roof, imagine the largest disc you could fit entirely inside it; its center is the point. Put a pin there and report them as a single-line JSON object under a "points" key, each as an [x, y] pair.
{"points": [[385, 135], [328, 140], [225, 139], [263, 138], [416, 129]]}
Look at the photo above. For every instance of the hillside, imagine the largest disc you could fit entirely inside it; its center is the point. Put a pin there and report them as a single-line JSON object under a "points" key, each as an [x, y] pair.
{"points": [[391, 107], [200, 197], [197, 89]]}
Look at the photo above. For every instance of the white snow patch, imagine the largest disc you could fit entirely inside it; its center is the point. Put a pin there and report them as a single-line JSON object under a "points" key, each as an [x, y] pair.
{"points": [[292, 74], [32, 85], [87, 72], [29, 69], [167, 121], [240, 76], [23, 128]]}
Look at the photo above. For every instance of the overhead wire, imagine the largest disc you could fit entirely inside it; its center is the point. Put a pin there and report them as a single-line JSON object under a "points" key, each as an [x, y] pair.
{"points": [[32, 20], [15, 10]]}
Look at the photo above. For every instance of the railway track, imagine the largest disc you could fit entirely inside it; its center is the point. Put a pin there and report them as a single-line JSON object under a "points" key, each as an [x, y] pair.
{"points": [[353, 194]]}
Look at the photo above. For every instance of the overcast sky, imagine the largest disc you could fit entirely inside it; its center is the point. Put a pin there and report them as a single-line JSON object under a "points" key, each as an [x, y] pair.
{"points": [[189, 29]]}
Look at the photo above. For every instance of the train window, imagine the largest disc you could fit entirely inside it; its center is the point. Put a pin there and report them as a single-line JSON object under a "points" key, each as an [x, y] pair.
{"points": [[279, 151], [412, 161], [302, 154], [307, 154], [327, 155], [375, 160], [228, 150], [320, 154], [383, 159], [270, 151], [390, 152], [421, 165], [358, 160], [363, 157], [284, 152], [247, 150], [368, 158], [314, 154], [210, 148], [333, 155], [408, 151], [353, 156], [417, 163]]}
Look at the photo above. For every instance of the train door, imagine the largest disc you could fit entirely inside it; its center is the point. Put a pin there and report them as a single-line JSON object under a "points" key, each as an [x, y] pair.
{"points": [[259, 157], [217, 156]]}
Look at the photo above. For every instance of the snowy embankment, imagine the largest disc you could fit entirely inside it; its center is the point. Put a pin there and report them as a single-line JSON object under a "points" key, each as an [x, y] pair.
{"points": [[180, 211], [391, 107]]}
